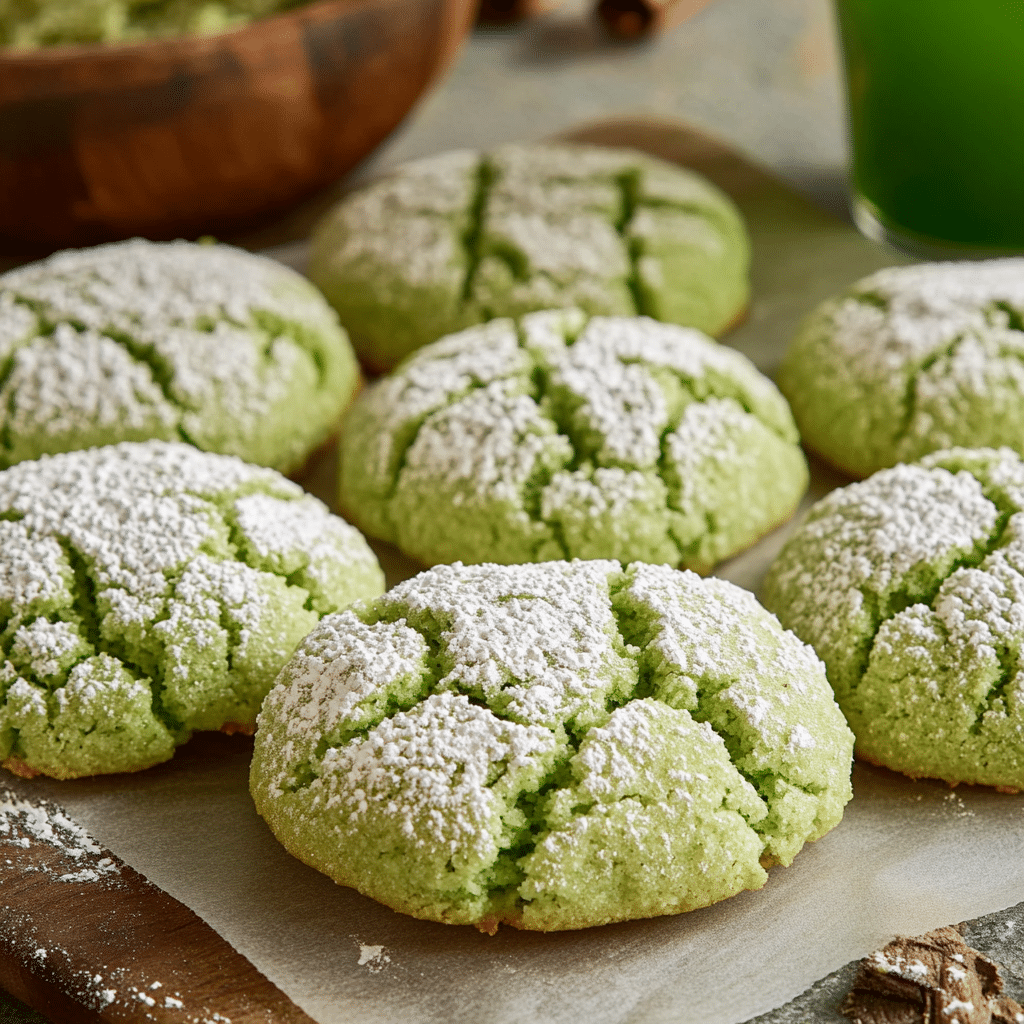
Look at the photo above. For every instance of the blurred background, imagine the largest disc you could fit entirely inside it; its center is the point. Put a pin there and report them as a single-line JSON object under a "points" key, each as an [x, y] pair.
{"points": [[231, 134], [763, 75]]}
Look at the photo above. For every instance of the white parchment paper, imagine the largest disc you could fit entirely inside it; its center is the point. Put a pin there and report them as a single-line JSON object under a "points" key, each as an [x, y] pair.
{"points": [[908, 856]]}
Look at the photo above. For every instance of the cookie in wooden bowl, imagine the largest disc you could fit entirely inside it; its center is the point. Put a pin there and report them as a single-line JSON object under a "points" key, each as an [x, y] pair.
{"points": [[199, 134]]}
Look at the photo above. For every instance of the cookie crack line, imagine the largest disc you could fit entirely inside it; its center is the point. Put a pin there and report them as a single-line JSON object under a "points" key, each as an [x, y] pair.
{"points": [[9, 361], [997, 691], [403, 453], [628, 184], [161, 373], [644, 689], [83, 589], [910, 393], [472, 238], [224, 503], [1014, 317], [277, 328]]}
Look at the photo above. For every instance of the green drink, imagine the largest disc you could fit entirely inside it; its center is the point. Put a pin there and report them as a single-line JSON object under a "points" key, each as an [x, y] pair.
{"points": [[936, 95]]}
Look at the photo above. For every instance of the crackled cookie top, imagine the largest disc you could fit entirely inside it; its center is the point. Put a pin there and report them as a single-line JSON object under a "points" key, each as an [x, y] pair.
{"points": [[551, 746], [457, 239], [911, 360], [207, 344], [560, 436], [149, 590], [910, 586]]}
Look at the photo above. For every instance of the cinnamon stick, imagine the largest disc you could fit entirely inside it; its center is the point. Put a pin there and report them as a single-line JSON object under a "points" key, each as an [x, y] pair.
{"points": [[633, 19], [504, 12]]}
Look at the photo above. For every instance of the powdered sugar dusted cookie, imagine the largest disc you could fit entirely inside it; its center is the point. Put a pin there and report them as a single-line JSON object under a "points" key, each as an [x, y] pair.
{"points": [[910, 586], [911, 360], [551, 746], [228, 351], [562, 436], [150, 590], [453, 240]]}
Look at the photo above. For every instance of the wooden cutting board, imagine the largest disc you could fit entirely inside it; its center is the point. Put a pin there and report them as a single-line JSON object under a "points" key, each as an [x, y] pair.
{"points": [[84, 938], [189, 825]]}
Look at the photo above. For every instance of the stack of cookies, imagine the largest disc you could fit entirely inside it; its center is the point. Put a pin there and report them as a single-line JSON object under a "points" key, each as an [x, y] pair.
{"points": [[558, 723]]}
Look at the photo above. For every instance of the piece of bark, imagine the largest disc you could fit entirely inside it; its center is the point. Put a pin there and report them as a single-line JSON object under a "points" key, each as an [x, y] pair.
{"points": [[930, 979], [633, 19], [85, 939]]}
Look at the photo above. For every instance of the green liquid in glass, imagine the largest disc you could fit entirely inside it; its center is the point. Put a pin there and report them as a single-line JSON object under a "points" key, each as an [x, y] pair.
{"points": [[936, 94]]}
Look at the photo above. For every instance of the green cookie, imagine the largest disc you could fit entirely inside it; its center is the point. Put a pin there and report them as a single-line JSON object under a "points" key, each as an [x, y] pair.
{"points": [[150, 590], [458, 239], [563, 437], [910, 586], [911, 360], [231, 352], [551, 746], [30, 23]]}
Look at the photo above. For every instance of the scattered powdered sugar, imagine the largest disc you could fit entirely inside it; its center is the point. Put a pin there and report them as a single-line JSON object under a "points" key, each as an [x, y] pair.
{"points": [[24, 822], [373, 958], [45, 840]]}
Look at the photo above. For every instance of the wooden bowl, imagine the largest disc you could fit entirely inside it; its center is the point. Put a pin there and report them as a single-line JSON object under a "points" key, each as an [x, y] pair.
{"points": [[208, 135]]}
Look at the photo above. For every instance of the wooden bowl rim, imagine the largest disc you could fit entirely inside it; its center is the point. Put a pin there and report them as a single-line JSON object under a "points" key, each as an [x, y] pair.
{"points": [[180, 45]]}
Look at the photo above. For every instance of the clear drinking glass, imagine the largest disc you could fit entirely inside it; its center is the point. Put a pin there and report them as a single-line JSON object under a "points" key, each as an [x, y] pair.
{"points": [[936, 101]]}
